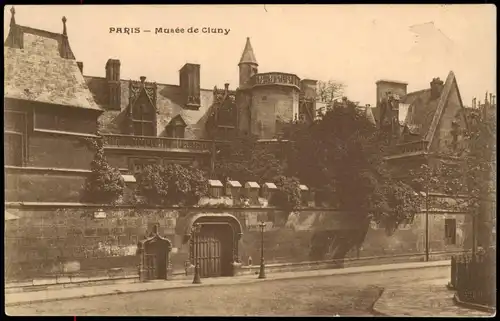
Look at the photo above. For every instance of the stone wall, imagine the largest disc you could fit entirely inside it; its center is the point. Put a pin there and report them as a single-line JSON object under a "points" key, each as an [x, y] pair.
{"points": [[52, 150], [43, 185], [57, 240], [272, 104], [410, 239], [51, 240]]}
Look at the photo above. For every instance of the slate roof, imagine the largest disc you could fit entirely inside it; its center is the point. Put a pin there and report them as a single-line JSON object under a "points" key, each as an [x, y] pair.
{"points": [[419, 113], [248, 56], [40, 67], [168, 106]]}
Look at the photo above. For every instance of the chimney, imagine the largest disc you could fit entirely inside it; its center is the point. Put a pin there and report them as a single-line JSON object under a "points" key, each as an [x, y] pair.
{"points": [[226, 88], [389, 87], [114, 85], [437, 86], [189, 81], [142, 78], [113, 70], [80, 66], [308, 88]]}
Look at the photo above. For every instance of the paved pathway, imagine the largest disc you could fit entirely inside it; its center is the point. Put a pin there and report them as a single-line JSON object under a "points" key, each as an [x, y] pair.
{"points": [[428, 298], [438, 269]]}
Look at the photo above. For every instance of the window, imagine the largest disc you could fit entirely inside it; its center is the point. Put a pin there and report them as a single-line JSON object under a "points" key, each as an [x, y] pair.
{"points": [[143, 120], [15, 138], [14, 149], [176, 128], [139, 164], [450, 231]]}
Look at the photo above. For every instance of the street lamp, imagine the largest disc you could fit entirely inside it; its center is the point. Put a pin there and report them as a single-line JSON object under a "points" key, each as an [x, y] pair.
{"points": [[262, 273], [195, 230]]}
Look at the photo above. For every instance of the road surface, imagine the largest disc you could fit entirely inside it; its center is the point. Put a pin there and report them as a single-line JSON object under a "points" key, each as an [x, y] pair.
{"points": [[344, 295]]}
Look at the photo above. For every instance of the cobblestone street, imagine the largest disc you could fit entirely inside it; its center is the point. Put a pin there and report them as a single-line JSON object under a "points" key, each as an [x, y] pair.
{"points": [[332, 295]]}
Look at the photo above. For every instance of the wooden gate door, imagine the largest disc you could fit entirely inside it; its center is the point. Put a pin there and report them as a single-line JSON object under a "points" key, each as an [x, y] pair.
{"points": [[209, 247]]}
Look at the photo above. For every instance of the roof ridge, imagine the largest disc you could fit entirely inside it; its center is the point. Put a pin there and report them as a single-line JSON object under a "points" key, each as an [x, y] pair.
{"points": [[450, 80]]}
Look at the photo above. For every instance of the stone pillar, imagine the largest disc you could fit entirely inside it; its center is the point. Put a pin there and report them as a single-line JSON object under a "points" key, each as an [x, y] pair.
{"points": [[236, 258], [142, 271]]}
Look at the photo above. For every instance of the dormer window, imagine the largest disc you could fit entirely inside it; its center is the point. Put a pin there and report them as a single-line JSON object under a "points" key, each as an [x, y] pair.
{"points": [[143, 119], [176, 128]]}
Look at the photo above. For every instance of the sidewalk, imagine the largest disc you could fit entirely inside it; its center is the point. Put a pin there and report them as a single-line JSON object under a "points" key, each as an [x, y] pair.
{"points": [[423, 299], [84, 292]]}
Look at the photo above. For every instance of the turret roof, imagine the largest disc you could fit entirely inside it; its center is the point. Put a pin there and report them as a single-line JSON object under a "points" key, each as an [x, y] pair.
{"points": [[248, 57]]}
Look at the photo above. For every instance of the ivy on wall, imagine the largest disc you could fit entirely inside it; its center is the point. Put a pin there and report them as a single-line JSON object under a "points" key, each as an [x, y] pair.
{"points": [[105, 184], [287, 195], [171, 184]]}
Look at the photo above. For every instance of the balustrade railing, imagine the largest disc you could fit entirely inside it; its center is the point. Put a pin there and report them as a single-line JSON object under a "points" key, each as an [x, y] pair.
{"points": [[164, 143], [276, 78]]}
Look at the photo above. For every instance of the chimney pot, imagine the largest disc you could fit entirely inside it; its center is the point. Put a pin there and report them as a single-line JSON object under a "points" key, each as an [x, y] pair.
{"points": [[437, 86]]}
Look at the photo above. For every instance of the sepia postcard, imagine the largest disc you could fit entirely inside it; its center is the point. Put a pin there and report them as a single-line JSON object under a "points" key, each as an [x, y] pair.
{"points": [[250, 160]]}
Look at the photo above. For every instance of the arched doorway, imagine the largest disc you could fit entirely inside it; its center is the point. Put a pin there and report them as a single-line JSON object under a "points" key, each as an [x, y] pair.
{"points": [[154, 252], [216, 244]]}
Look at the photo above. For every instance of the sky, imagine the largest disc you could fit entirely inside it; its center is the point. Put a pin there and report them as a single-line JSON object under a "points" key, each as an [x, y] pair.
{"points": [[353, 44]]}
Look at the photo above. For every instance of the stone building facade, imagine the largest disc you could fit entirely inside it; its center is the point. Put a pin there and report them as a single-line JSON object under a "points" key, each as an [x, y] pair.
{"points": [[51, 108]]}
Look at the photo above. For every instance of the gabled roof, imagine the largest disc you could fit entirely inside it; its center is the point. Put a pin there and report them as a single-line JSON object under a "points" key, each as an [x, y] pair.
{"points": [[174, 121], [248, 57], [40, 67], [214, 183], [251, 185], [423, 113], [44, 42], [451, 82], [270, 185], [233, 184]]}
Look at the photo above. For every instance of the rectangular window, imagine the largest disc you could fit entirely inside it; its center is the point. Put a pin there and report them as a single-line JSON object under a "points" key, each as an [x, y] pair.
{"points": [[14, 149], [15, 136], [450, 231], [179, 132], [138, 164], [143, 128]]}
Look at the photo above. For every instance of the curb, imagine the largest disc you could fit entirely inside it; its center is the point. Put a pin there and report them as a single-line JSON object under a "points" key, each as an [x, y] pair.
{"points": [[374, 311], [336, 272], [474, 306]]}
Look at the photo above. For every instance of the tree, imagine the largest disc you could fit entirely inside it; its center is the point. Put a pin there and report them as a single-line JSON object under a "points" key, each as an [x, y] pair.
{"points": [[464, 172], [245, 159], [104, 184], [172, 184], [343, 154], [287, 196], [329, 91]]}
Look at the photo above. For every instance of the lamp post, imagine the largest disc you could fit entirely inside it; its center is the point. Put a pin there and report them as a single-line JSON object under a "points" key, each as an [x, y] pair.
{"points": [[262, 273], [195, 230]]}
